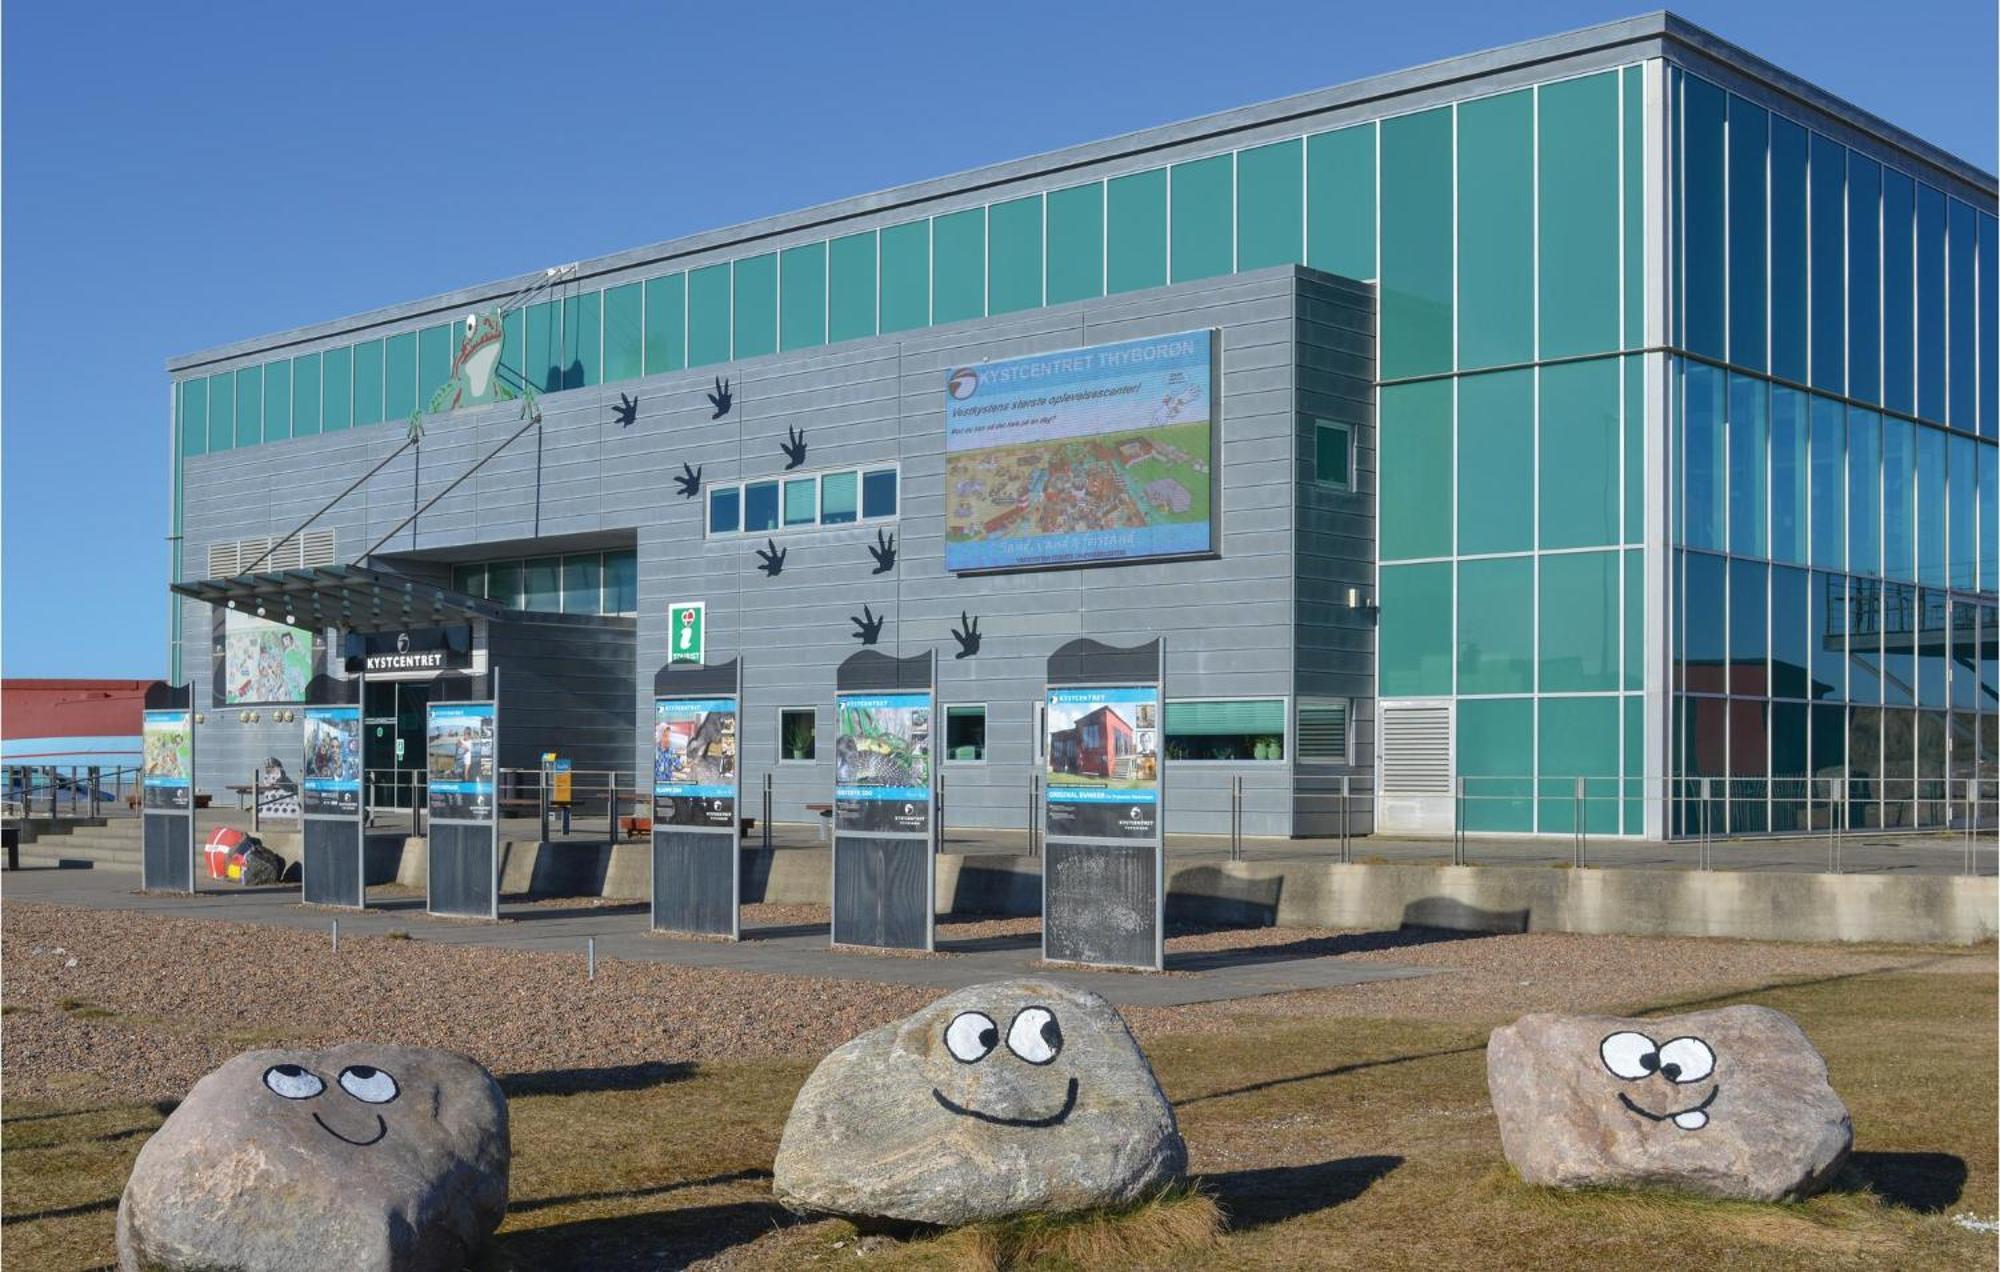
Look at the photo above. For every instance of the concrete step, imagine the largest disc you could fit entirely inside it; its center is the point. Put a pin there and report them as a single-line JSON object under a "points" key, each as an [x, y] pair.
{"points": [[75, 861]]}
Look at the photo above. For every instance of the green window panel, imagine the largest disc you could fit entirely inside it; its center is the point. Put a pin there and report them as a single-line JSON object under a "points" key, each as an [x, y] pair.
{"points": [[1496, 230], [1415, 500], [1635, 450], [1635, 619], [1749, 129], [1135, 231], [906, 277], [850, 281], [666, 323], [1496, 625], [221, 412], [1340, 201], [1579, 621], [1580, 432], [194, 417], [514, 345], [708, 315], [434, 354], [1414, 301], [1703, 214], [1496, 758], [958, 266], [582, 356], [1415, 630], [1579, 738], [1076, 243], [337, 375], [1496, 462], [277, 400], [1203, 246], [1270, 206], [1633, 159], [1578, 124], [1014, 255], [306, 395], [802, 296], [625, 332], [1226, 718], [399, 376], [250, 406], [368, 383], [754, 319], [1635, 789]]}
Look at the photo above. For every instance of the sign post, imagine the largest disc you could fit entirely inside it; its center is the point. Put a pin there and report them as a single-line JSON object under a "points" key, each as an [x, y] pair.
{"points": [[884, 833], [167, 791], [687, 632], [461, 750], [697, 799], [332, 868]]}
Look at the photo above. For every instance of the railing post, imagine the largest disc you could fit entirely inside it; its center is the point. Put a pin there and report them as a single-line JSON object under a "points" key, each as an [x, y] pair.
{"points": [[1236, 817], [1458, 822], [1579, 819], [256, 800], [1344, 790], [765, 820]]}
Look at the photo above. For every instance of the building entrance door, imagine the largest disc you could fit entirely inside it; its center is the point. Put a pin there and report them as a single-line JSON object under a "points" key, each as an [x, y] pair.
{"points": [[393, 740]]}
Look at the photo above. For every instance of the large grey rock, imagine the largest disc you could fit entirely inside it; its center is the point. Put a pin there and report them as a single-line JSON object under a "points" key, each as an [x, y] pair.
{"points": [[359, 1158], [1018, 1096], [1728, 1103]]}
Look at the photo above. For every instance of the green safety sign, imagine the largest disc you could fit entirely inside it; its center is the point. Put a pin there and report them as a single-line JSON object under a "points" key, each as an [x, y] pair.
{"points": [[687, 631]]}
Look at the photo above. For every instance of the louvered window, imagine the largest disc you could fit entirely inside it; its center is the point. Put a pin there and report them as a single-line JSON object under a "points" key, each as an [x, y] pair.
{"points": [[1416, 749], [1323, 730], [256, 555]]}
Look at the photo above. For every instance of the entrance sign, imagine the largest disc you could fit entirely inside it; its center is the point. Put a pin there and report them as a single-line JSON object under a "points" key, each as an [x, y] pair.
{"points": [[1104, 871], [697, 790], [687, 631], [461, 749], [884, 828], [167, 791], [332, 871]]}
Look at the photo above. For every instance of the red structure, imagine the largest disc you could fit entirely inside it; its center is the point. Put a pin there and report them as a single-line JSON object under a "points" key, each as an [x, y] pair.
{"points": [[1092, 746], [42, 709]]}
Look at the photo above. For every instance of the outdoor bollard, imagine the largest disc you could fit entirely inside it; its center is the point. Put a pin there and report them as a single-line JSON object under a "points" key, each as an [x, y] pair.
{"points": [[336, 936], [256, 800], [590, 956]]}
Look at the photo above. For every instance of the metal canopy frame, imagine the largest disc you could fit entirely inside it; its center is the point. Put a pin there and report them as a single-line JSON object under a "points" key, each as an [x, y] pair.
{"points": [[350, 597]]}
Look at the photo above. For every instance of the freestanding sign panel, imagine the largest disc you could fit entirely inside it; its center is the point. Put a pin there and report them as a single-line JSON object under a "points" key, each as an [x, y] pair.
{"points": [[697, 790], [461, 758], [167, 792], [330, 808], [885, 835], [1104, 873]]}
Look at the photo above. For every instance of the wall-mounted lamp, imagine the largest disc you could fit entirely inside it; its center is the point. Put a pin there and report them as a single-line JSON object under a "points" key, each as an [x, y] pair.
{"points": [[201, 717], [242, 717], [1356, 601]]}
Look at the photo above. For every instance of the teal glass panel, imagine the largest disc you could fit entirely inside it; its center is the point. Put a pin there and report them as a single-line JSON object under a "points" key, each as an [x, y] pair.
{"points": [[1703, 251], [802, 296], [1636, 788], [801, 501], [1963, 390], [1014, 257], [1580, 432], [277, 400], [1496, 230], [1899, 293], [1788, 250], [1700, 649], [1635, 620], [1864, 491], [1788, 475], [1416, 270], [250, 406], [1961, 512], [469, 579], [1496, 625], [1135, 231], [1203, 191], [221, 412], [1635, 449], [399, 376], [666, 324], [306, 395], [1633, 158], [1864, 280], [1271, 205], [850, 281], [1340, 201], [754, 310], [1829, 484], [338, 372], [1579, 738], [1496, 462], [1416, 630], [1748, 154], [958, 266], [1579, 621], [625, 332], [542, 363], [1899, 493], [621, 582], [1076, 243], [194, 417], [583, 584], [1930, 304], [1749, 627], [1931, 559], [541, 585], [708, 315], [583, 340], [1791, 656], [503, 583], [1829, 265], [1578, 124], [1749, 455], [1989, 326], [906, 276], [1496, 749], [839, 498], [1702, 438], [513, 368], [1416, 481], [434, 351]]}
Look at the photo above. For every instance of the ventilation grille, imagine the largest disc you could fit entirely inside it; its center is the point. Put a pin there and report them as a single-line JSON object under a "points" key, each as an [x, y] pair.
{"points": [[242, 556], [1323, 730], [1416, 750]]}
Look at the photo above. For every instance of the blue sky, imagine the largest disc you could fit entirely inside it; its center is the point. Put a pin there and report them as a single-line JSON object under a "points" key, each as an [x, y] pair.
{"points": [[179, 176]]}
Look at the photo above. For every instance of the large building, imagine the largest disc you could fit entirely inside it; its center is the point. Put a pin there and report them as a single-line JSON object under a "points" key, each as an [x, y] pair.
{"points": [[1614, 406]]}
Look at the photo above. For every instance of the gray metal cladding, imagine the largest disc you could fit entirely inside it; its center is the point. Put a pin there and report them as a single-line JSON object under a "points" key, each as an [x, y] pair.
{"points": [[331, 872], [694, 881], [463, 881], [166, 863]]}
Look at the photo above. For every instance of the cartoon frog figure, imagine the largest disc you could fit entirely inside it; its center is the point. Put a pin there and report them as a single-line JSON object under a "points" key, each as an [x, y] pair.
{"points": [[475, 374]]}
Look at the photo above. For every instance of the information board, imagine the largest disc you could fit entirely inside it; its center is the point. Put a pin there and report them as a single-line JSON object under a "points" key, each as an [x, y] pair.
{"points": [[459, 758], [168, 779], [694, 761], [882, 763], [331, 785], [1103, 765]]}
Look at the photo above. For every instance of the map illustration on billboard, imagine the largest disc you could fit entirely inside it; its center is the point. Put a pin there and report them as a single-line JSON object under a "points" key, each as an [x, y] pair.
{"points": [[1088, 455], [168, 780]]}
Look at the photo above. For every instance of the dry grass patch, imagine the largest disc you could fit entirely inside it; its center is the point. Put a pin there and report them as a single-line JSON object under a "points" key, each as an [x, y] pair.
{"points": [[1175, 1228]]}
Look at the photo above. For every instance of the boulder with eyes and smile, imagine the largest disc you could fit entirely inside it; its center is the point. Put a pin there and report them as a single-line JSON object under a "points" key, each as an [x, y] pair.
{"points": [[359, 1158], [1728, 1103], [1002, 1099]]}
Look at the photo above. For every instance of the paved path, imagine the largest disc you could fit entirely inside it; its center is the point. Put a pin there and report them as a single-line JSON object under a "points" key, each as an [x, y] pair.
{"points": [[801, 950]]}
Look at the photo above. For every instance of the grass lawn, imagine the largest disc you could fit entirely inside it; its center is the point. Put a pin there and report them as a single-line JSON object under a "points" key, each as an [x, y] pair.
{"points": [[1315, 1142]]}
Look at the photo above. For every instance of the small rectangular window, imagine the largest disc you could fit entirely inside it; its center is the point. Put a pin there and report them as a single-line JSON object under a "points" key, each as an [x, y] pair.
{"points": [[801, 501], [469, 579], [725, 509], [621, 582], [965, 734], [1323, 730], [838, 502], [878, 493], [583, 591], [797, 727], [1333, 454], [760, 506], [1226, 729]]}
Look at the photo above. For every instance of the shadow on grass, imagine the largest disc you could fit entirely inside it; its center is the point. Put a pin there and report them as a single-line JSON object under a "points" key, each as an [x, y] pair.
{"points": [[617, 1077], [1333, 1072], [1927, 1183], [747, 1175], [1273, 1194], [62, 1212], [1313, 947], [655, 1239]]}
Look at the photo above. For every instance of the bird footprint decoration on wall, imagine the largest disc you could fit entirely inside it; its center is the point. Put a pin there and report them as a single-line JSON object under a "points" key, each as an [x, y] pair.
{"points": [[772, 557], [626, 411], [884, 552], [868, 625], [795, 448], [688, 481], [968, 639], [720, 399]]}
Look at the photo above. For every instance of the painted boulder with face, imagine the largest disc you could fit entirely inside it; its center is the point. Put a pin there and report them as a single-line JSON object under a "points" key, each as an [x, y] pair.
{"points": [[1015, 1097], [1727, 1103], [356, 1158]]}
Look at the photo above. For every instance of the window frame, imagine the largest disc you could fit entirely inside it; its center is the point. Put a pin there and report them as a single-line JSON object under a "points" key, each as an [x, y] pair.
{"points": [[985, 717], [1319, 426], [858, 472], [783, 713], [1285, 742]]}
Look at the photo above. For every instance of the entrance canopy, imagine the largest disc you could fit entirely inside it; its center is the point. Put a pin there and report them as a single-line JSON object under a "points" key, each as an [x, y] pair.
{"points": [[351, 597]]}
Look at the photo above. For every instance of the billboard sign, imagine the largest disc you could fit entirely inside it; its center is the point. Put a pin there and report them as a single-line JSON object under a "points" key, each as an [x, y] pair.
{"points": [[1103, 454], [459, 756], [168, 779], [694, 761], [331, 784], [263, 661], [1103, 774], [882, 763]]}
